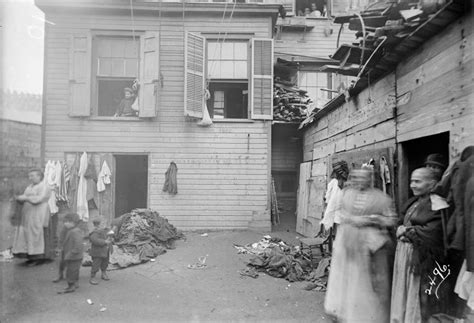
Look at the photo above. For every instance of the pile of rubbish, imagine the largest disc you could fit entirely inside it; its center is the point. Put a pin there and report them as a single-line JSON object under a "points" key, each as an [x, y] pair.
{"points": [[141, 236], [290, 104], [281, 260]]}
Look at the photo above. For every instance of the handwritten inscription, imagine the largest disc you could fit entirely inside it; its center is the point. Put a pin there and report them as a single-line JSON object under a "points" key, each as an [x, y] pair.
{"points": [[441, 272]]}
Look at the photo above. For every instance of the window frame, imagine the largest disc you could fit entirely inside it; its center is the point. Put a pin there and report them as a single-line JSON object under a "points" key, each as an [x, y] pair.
{"points": [[244, 38], [94, 70], [329, 82]]}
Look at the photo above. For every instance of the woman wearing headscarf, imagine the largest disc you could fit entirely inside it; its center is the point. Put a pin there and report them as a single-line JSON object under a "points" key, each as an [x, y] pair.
{"points": [[360, 276], [29, 240]]}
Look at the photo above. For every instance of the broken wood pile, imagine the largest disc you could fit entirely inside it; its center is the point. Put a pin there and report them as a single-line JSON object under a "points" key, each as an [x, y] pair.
{"points": [[290, 104]]}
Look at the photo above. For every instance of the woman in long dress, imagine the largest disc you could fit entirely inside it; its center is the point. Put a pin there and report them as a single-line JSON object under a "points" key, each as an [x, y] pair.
{"points": [[29, 237], [419, 252], [360, 276]]}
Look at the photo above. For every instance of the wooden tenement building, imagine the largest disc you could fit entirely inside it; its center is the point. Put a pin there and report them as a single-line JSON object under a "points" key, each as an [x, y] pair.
{"points": [[176, 51]]}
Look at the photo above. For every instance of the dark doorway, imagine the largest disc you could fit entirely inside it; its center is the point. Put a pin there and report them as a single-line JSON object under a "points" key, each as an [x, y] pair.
{"points": [[413, 155], [131, 187]]}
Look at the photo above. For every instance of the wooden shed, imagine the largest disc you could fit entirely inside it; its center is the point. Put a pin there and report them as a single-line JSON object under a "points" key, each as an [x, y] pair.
{"points": [[417, 100], [176, 51]]}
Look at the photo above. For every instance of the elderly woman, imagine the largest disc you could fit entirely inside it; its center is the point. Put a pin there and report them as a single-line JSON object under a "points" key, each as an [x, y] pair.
{"points": [[360, 276], [419, 256], [29, 237]]}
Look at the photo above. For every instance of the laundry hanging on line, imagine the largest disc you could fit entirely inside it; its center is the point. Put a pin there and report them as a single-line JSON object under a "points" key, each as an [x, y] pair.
{"points": [[57, 176], [104, 177]]}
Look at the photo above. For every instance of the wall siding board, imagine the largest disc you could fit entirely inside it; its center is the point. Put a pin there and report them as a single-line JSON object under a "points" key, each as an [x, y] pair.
{"points": [[222, 170]]}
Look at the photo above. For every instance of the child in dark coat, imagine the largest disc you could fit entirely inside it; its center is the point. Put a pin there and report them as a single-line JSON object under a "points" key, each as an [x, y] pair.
{"points": [[73, 249], [62, 262], [101, 244]]}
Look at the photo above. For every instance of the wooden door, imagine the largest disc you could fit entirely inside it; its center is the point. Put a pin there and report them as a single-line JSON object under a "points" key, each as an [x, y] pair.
{"points": [[302, 203]]}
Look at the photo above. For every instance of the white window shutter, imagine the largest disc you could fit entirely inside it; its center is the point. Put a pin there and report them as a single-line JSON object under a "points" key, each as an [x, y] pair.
{"points": [[261, 96], [149, 74], [80, 76], [194, 76]]}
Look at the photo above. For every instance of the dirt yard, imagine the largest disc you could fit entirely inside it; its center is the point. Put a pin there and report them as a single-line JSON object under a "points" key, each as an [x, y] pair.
{"points": [[164, 290]]}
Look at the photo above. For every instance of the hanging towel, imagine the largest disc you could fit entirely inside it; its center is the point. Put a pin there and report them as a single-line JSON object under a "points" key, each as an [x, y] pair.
{"points": [[52, 175], [384, 173], [104, 177], [82, 206], [171, 184]]}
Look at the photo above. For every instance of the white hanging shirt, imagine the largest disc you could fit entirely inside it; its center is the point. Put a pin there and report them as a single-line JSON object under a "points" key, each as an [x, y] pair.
{"points": [[104, 177]]}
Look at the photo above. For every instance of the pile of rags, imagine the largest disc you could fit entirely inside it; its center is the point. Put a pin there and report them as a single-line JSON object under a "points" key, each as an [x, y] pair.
{"points": [[277, 258], [141, 235]]}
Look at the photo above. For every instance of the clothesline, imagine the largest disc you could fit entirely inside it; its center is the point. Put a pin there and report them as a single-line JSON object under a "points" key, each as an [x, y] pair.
{"points": [[62, 180]]}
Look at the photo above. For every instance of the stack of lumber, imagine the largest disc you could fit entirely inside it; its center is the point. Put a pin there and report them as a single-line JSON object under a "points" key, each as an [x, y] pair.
{"points": [[290, 104]]}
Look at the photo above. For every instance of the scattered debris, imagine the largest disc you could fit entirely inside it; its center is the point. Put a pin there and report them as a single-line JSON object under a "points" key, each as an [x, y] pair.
{"points": [[249, 271], [6, 255], [259, 247], [281, 260], [201, 264]]}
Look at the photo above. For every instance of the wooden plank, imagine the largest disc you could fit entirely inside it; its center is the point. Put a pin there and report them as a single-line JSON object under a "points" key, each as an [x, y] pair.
{"points": [[371, 102], [454, 57], [462, 127], [303, 191], [380, 132], [454, 33]]}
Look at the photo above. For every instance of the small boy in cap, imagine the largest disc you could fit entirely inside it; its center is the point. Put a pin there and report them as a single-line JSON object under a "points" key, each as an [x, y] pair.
{"points": [[125, 106], [101, 244], [73, 249]]}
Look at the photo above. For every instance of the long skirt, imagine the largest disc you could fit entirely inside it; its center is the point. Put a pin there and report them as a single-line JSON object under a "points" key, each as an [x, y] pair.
{"points": [[405, 305], [355, 293]]}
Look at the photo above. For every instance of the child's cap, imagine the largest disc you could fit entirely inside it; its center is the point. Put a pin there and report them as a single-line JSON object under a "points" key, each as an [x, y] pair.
{"points": [[72, 217], [129, 90], [96, 221]]}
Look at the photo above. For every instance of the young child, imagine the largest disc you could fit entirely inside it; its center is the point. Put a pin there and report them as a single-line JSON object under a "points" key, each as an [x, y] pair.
{"points": [[101, 244], [62, 262], [73, 249], [125, 107]]}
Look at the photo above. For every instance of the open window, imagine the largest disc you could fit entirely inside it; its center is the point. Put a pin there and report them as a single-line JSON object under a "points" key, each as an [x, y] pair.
{"points": [[228, 75], [237, 72], [114, 74]]}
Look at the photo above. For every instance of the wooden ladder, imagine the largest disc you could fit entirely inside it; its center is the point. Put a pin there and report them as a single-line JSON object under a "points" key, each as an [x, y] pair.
{"points": [[275, 212]]}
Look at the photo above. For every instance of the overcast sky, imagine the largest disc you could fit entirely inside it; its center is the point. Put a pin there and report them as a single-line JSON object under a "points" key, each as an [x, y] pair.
{"points": [[21, 46]]}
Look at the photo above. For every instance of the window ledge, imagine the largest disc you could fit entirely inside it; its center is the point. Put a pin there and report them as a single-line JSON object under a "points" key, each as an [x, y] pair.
{"points": [[116, 118], [233, 120]]}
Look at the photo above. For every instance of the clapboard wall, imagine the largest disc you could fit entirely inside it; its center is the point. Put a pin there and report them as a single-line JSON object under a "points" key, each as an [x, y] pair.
{"points": [[318, 41], [429, 93], [223, 170]]}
